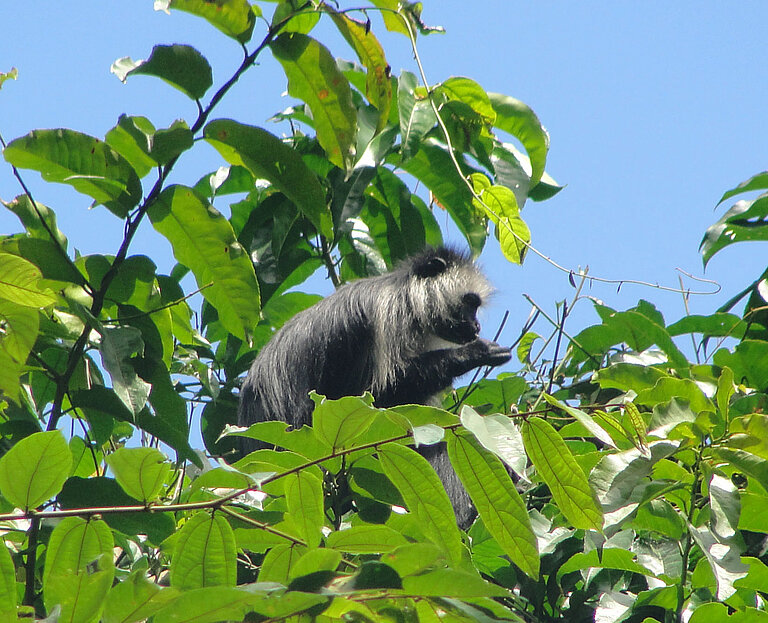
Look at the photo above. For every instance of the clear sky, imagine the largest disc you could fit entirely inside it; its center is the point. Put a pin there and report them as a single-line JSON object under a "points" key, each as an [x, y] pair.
{"points": [[654, 110]]}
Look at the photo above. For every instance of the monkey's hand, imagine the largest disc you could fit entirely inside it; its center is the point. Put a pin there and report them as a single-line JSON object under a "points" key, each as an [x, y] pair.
{"points": [[490, 353]]}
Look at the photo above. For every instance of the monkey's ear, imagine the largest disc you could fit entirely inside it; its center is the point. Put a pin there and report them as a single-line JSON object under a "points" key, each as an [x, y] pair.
{"points": [[431, 267]]}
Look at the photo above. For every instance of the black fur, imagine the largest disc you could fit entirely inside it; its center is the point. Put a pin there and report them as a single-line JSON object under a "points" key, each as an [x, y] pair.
{"points": [[379, 334]]}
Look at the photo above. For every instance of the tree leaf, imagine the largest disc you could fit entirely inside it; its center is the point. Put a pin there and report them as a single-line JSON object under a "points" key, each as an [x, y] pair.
{"points": [[203, 240], [235, 18], [340, 422], [141, 472], [78, 568], [520, 121], [101, 491], [20, 329], [497, 501], [425, 497], [500, 205], [498, 434], [469, 92], [378, 88], [366, 539], [136, 599], [559, 470], [181, 66], [205, 553], [451, 583], [19, 282], [314, 78], [39, 220], [433, 166], [304, 497], [585, 420], [8, 594], [417, 117], [87, 164], [34, 470], [117, 347], [756, 182], [267, 157]]}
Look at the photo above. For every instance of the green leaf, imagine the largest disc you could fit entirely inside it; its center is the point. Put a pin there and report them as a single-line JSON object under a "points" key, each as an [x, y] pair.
{"points": [[267, 157], [749, 362], [319, 559], [102, 491], [629, 376], [425, 497], [525, 345], [715, 325], [78, 568], [35, 469], [291, 17], [170, 422], [203, 241], [39, 221], [8, 594], [8, 75], [181, 66], [19, 282], [500, 205], [366, 539], [756, 182], [218, 603], [118, 346], [417, 117], [723, 558], [340, 422], [141, 472], [235, 18], [451, 583], [584, 419], [743, 222], [497, 501], [520, 121], [314, 78], [667, 388], [20, 329], [378, 88], [304, 497], [277, 563], [751, 465], [433, 166], [205, 553], [136, 599], [499, 434], [87, 164], [607, 558], [470, 93], [556, 466]]}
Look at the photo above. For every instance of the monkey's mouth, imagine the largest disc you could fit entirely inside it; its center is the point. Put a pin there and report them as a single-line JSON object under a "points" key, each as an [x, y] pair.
{"points": [[462, 333]]}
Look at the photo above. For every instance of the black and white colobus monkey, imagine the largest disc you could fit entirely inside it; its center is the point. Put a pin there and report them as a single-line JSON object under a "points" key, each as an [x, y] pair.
{"points": [[404, 336]]}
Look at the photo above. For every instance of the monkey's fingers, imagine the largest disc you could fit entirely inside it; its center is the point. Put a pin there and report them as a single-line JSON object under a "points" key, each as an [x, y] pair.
{"points": [[495, 354]]}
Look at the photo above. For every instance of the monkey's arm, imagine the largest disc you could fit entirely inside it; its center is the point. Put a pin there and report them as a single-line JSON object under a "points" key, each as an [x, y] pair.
{"points": [[435, 370]]}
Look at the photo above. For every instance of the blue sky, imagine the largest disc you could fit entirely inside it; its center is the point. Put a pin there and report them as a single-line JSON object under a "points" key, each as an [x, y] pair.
{"points": [[654, 110]]}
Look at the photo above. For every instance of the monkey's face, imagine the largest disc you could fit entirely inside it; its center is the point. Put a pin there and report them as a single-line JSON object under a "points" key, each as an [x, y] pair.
{"points": [[461, 326]]}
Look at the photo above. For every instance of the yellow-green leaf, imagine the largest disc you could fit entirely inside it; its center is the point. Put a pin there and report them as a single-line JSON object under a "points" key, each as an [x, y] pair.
{"points": [[497, 501], [34, 470], [78, 568], [205, 553], [203, 241], [314, 78], [556, 466]]}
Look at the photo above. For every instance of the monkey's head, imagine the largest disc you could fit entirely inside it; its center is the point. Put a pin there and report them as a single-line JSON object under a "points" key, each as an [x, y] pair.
{"points": [[449, 289]]}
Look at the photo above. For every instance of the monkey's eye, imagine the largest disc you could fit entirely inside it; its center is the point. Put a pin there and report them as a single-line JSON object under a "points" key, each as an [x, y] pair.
{"points": [[470, 299]]}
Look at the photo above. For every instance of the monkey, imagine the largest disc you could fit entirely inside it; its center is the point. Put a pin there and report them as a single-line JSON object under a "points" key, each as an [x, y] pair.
{"points": [[404, 336]]}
